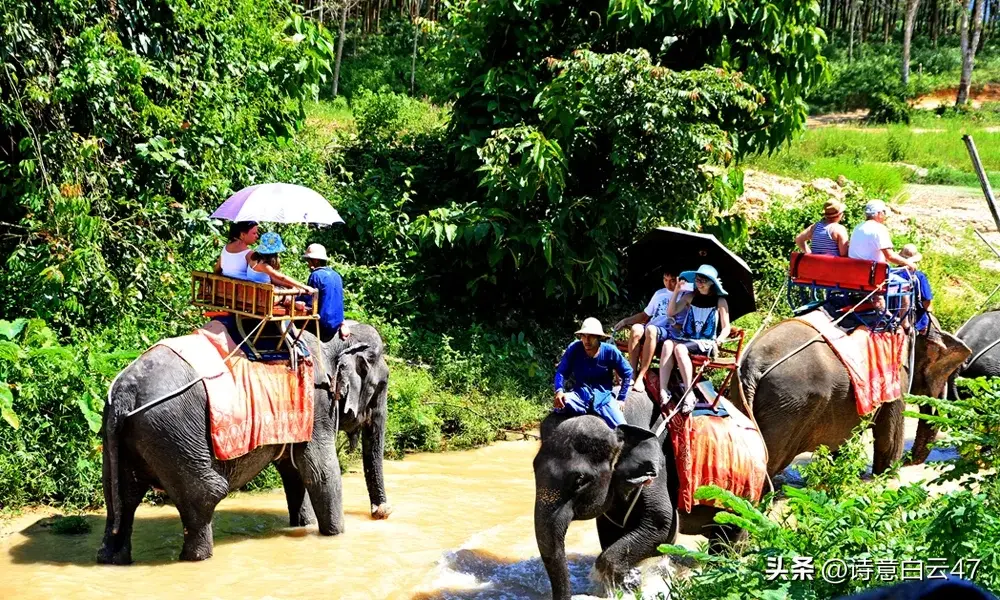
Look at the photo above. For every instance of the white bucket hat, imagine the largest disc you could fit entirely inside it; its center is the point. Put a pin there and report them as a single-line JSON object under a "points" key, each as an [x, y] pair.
{"points": [[592, 326], [910, 252], [316, 252]]}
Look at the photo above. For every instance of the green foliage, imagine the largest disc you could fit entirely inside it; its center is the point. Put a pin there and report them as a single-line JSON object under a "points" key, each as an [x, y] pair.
{"points": [[56, 393], [772, 236], [383, 60], [883, 108], [72, 525], [588, 125], [838, 516], [129, 121]]}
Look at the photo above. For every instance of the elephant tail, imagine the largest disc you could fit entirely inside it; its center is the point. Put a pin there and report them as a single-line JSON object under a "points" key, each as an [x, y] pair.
{"points": [[113, 420]]}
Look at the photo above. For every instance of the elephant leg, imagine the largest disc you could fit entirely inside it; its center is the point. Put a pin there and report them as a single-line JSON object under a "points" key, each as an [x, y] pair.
{"points": [[888, 436], [300, 510], [373, 450], [319, 469], [116, 548], [614, 564], [926, 434], [196, 492]]}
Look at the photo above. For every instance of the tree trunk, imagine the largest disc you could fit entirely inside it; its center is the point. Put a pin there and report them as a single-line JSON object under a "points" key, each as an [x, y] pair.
{"points": [[887, 19], [416, 35], [911, 15], [341, 34], [935, 21], [969, 48], [852, 19]]}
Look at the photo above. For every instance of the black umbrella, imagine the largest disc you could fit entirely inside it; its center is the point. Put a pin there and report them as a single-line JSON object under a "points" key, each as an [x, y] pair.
{"points": [[685, 251]]}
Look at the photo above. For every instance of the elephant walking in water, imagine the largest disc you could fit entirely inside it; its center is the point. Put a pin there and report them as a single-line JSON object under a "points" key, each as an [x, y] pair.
{"points": [[807, 400], [170, 446], [584, 470], [626, 478]]}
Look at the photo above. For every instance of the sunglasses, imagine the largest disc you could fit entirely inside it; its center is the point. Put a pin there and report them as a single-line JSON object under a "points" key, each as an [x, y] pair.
{"points": [[702, 280]]}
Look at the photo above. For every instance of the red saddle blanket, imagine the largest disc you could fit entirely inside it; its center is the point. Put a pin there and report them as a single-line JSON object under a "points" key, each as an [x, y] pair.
{"points": [[724, 451], [872, 360], [250, 404]]}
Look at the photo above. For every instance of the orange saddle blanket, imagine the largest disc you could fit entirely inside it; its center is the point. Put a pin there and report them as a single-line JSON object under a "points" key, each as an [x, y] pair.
{"points": [[250, 403], [872, 360], [724, 451]]}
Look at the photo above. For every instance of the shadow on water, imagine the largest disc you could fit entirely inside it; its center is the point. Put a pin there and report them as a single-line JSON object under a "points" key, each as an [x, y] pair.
{"points": [[155, 539], [481, 575]]}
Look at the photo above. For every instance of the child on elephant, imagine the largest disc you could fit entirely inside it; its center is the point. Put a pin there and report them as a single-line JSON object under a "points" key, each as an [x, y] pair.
{"points": [[592, 364]]}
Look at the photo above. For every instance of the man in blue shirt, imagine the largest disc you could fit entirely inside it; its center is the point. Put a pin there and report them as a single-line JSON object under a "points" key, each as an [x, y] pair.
{"points": [[331, 293], [911, 253], [591, 362]]}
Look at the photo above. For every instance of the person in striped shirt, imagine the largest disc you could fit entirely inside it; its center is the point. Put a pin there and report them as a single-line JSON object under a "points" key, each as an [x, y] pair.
{"points": [[828, 236]]}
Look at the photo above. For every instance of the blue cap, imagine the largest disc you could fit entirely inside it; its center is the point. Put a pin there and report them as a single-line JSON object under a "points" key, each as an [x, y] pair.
{"points": [[270, 243]]}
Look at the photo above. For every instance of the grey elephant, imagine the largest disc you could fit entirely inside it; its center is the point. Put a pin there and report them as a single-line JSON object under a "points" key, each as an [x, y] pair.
{"points": [[981, 334], [625, 478], [169, 446], [807, 401]]}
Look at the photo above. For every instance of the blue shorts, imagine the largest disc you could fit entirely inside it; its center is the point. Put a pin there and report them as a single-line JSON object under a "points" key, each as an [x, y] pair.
{"points": [[610, 411]]}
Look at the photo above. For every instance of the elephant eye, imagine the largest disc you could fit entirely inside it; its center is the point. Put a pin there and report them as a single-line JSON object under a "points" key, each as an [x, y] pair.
{"points": [[583, 480]]}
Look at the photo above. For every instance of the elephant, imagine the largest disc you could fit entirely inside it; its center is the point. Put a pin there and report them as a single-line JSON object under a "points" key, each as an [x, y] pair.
{"points": [[586, 470], [981, 334], [170, 447], [807, 400]]}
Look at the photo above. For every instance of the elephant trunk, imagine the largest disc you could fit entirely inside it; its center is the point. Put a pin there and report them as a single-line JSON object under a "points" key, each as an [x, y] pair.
{"points": [[372, 450], [551, 524]]}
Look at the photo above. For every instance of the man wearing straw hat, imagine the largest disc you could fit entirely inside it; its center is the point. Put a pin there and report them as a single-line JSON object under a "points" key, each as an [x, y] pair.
{"points": [[828, 236], [592, 362]]}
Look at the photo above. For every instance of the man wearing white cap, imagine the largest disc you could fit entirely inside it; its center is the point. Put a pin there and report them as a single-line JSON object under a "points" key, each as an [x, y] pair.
{"points": [[331, 293], [871, 240], [592, 362]]}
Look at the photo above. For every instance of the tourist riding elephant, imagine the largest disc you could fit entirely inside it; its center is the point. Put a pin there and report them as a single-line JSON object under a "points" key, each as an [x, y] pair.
{"points": [[982, 335], [169, 446], [807, 400], [586, 470]]}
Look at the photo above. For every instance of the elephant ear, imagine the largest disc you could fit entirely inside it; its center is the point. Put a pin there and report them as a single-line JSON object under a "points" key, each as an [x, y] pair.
{"points": [[641, 455]]}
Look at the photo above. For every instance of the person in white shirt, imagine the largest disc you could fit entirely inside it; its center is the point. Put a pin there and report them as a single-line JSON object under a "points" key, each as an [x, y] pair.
{"points": [[871, 241], [653, 323]]}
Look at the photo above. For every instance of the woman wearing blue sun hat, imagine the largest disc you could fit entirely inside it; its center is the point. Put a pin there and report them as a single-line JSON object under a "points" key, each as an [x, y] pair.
{"points": [[264, 264], [704, 327]]}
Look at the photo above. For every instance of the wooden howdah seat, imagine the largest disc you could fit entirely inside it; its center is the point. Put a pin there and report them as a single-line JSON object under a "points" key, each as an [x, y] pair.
{"points": [[258, 309], [728, 357]]}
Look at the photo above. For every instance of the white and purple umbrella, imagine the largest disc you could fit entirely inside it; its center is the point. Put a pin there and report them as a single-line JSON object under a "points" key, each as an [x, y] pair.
{"points": [[278, 203]]}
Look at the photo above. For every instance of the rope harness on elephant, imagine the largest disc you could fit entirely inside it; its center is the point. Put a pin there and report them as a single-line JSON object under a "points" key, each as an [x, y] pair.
{"points": [[635, 498], [819, 336], [180, 390], [980, 354]]}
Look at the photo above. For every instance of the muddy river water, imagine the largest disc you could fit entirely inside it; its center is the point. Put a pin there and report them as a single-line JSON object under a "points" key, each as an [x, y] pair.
{"points": [[462, 528]]}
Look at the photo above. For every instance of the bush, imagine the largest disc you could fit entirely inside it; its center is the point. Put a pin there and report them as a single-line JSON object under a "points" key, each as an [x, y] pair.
{"points": [[883, 108]]}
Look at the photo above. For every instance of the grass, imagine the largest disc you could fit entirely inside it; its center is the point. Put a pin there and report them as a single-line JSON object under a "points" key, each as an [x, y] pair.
{"points": [[870, 156]]}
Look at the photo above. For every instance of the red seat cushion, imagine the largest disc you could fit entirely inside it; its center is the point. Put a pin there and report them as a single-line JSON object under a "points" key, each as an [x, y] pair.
{"points": [[837, 272]]}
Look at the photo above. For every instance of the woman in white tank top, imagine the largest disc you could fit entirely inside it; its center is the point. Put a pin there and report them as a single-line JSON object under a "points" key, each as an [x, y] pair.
{"points": [[236, 254]]}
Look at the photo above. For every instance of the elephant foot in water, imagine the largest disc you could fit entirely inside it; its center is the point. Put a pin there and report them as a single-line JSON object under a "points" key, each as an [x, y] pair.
{"points": [[382, 511], [108, 556], [607, 583]]}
